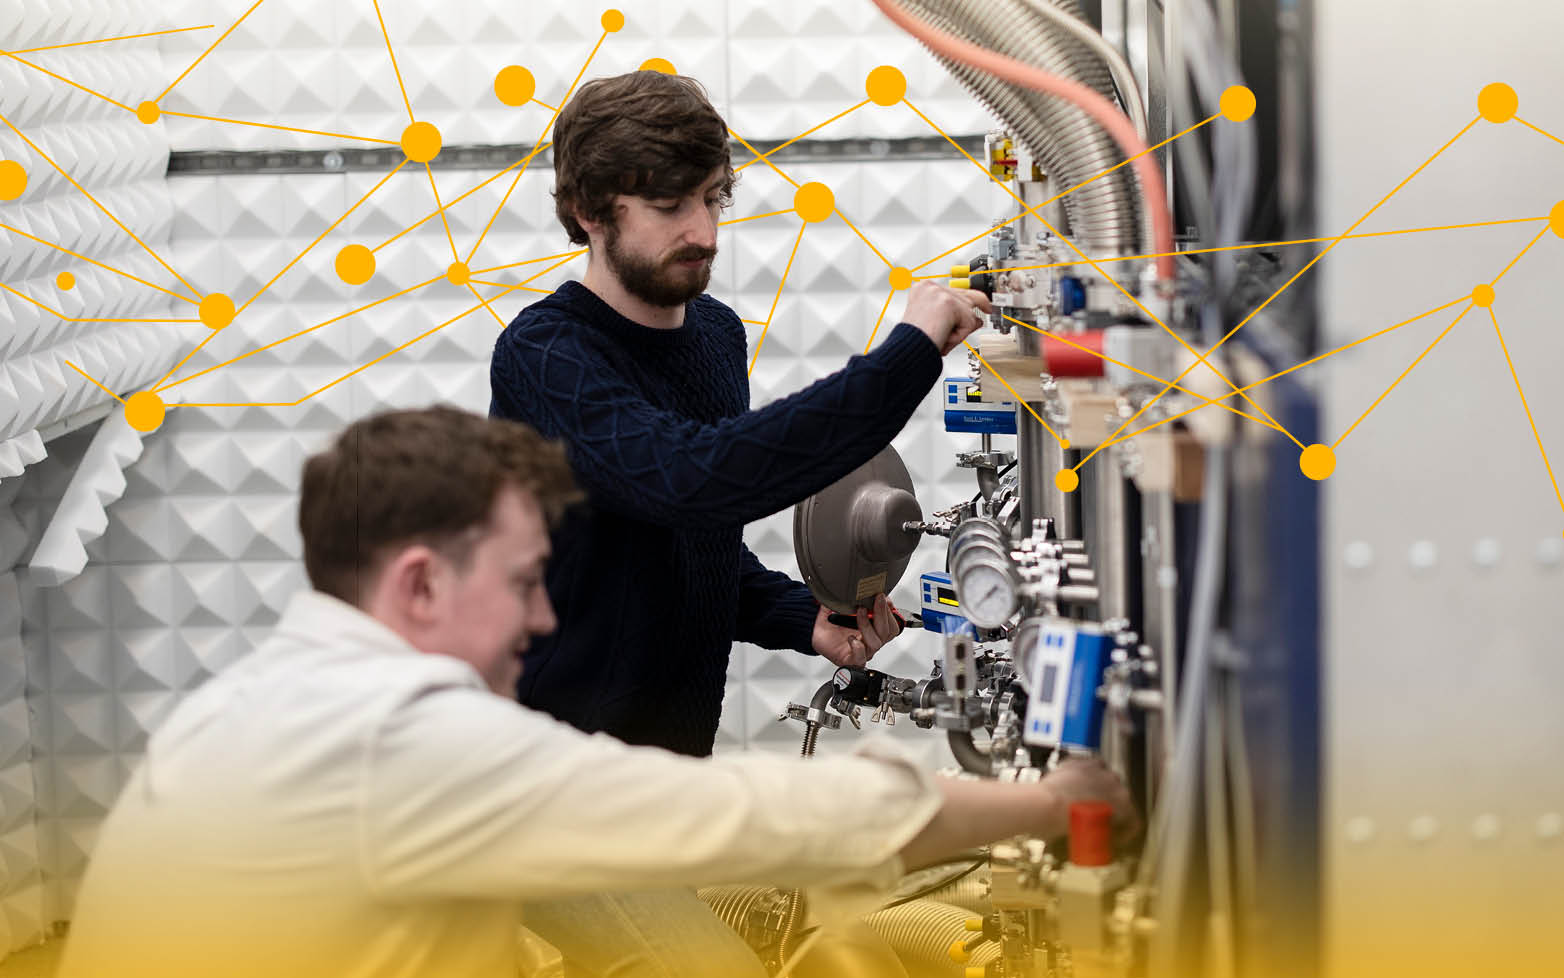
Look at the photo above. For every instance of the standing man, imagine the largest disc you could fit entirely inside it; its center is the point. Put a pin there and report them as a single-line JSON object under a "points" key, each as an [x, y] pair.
{"points": [[643, 377]]}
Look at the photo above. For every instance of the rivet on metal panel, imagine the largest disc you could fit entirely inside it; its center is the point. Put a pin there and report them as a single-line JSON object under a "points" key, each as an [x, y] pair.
{"points": [[1486, 552], [1550, 826], [1423, 828], [1359, 555], [1485, 828], [1360, 829], [1423, 555]]}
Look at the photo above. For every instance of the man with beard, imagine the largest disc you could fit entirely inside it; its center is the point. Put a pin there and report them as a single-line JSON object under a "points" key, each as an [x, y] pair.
{"points": [[643, 377]]}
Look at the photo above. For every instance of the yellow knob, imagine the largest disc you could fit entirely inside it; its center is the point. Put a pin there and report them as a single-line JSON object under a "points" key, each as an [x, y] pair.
{"points": [[961, 283], [974, 923], [958, 271], [976, 971], [959, 953]]}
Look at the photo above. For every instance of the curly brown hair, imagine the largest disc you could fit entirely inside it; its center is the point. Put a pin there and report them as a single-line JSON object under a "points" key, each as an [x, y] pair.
{"points": [[426, 476], [643, 133]]}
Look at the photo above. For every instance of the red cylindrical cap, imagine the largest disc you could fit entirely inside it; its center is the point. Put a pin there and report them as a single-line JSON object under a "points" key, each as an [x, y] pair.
{"points": [[1091, 833], [1065, 360]]}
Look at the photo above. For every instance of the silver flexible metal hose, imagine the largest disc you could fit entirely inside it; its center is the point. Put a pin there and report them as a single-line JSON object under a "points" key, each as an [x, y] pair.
{"points": [[1123, 77], [921, 932], [969, 893], [734, 904], [1104, 215]]}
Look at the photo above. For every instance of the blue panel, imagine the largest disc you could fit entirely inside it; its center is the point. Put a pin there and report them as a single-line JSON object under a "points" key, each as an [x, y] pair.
{"points": [[1083, 710]]}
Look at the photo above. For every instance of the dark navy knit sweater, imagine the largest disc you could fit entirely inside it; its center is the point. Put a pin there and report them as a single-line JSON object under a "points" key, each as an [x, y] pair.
{"points": [[651, 580]]}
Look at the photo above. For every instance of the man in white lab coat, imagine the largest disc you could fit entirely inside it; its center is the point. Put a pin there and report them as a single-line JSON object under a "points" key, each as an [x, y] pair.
{"points": [[361, 797]]}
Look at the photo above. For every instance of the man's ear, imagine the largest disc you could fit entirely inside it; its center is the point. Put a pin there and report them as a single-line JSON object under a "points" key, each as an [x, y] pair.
{"points": [[592, 228], [411, 580]]}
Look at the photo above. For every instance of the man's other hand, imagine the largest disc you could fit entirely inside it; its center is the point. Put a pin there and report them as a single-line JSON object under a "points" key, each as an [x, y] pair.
{"points": [[855, 646], [1084, 779], [945, 315]]}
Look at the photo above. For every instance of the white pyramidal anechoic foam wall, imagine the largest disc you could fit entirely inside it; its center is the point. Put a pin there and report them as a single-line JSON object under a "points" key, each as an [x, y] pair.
{"points": [[202, 551], [120, 162], [773, 69], [21, 872]]}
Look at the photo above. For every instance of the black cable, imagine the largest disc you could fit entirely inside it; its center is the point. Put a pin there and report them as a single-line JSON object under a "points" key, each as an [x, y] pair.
{"points": [[920, 894]]}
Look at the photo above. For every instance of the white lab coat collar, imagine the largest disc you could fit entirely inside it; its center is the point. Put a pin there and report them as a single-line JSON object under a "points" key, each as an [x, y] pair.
{"points": [[314, 618]]}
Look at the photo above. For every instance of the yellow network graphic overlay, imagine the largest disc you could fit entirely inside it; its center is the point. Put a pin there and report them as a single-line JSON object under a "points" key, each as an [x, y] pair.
{"points": [[813, 203]]}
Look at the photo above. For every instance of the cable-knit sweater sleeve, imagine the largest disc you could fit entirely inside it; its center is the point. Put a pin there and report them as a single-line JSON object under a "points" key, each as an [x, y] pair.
{"points": [[775, 611], [637, 459]]}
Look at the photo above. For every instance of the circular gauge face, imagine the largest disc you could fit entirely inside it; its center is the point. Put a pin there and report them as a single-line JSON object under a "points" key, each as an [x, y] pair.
{"points": [[973, 532], [987, 594], [1024, 645]]}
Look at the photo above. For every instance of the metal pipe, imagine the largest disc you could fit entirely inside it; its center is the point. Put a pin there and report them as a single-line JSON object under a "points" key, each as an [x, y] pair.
{"points": [[1108, 553], [1032, 459], [817, 704], [1032, 448], [1160, 594], [967, 754]]}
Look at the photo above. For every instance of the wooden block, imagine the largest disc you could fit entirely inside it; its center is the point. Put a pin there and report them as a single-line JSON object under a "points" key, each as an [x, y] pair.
{"points": [[1022, 373], [1170, 461]]}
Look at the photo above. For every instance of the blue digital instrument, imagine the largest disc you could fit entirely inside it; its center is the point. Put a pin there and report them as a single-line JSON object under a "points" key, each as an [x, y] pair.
{"points": [[941, 611], [967, 411], [1064, 662]]}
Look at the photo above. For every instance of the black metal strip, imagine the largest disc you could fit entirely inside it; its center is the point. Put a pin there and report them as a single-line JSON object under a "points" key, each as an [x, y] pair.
{"points": [[498, 156]]}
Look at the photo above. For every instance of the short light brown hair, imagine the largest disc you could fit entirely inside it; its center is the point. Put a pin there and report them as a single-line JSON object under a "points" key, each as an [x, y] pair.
{"points": [[643, 133], [427, 476]]}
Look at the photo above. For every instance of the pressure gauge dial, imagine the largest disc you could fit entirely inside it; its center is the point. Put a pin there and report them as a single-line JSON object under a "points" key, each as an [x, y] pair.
{"points": [[987, 589], [1024, 645]]}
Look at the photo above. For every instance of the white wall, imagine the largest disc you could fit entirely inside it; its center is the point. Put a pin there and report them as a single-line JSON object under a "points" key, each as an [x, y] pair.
{"points": [[120, 162]]}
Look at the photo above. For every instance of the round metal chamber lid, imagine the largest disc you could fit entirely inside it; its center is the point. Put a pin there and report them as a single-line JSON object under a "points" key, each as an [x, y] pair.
{"points": [[848, 537]]}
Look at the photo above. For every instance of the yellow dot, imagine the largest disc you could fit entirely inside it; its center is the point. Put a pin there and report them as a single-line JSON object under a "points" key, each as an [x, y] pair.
{"points": [[421, 142], [66, 281], [659, 64], [1067, 480], [1317, 462], [145, 411], [514, 85], [458, 274], [1555, 218], [885, 85], [613, 20], [1237, 103], [1497, 102], [901, 278], [1483, 295], [148, 112], [216, 311], [355, 264], [13, 179], [814, 202]]}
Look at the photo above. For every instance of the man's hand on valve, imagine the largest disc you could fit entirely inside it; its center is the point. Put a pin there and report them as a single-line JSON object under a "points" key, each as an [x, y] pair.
{"points": [[856, 646]]}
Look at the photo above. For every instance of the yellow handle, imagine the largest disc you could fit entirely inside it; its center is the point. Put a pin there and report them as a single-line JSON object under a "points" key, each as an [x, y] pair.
{"points": [[974, 923], [958, 952]]}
